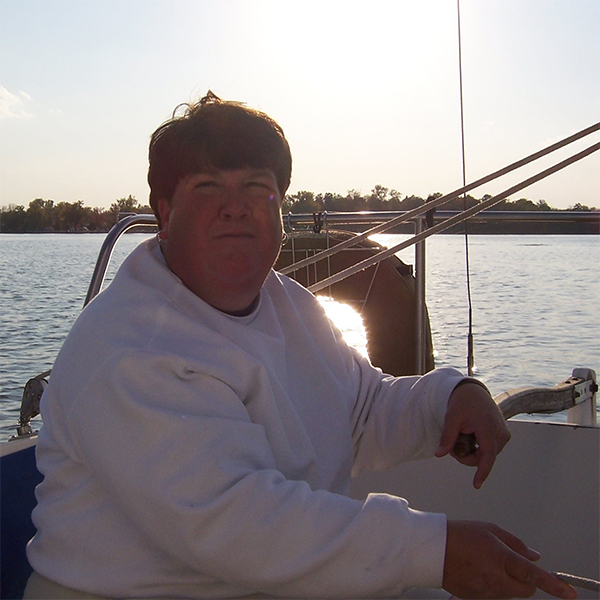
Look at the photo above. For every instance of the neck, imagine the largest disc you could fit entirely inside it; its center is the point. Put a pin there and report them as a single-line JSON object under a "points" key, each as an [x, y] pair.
{"points": [[245, 311]]}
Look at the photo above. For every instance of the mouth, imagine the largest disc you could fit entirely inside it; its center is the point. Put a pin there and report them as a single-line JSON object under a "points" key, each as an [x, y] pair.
{"points": [[235, 235]]}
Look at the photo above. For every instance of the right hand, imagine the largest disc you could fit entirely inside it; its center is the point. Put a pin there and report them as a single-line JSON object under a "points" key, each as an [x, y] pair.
{"points": [[485, 561]]}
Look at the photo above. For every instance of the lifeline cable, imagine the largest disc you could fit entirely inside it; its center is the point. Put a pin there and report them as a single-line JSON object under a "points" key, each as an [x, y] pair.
{"points": [[415, 212], [580, 582], [367, 262]]}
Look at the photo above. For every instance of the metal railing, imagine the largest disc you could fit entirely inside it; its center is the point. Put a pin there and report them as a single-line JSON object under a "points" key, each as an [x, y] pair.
{"points": [[369, 221], [379, 222], [106, 250]]}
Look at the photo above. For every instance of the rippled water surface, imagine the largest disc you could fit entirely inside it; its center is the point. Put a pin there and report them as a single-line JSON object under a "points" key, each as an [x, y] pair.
{"points": [[536, 305]]}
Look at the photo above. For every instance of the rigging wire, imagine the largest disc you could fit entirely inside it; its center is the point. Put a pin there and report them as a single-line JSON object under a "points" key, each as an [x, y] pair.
{"points": [[581, 582], [470, 348]]}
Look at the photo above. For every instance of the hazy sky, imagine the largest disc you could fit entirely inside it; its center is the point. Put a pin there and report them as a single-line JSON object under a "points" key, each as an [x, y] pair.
{"points": [[367, 92]]}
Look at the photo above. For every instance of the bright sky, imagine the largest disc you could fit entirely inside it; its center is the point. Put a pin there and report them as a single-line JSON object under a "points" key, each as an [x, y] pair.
{"points": [[366, 91]]}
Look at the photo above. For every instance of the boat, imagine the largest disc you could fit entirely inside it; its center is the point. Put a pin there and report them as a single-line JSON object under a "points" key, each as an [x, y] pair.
{"points": [[550, 471]]}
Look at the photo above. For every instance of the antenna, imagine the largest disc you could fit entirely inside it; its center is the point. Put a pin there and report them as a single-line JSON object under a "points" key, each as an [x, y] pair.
{"points": [[470, 349]]}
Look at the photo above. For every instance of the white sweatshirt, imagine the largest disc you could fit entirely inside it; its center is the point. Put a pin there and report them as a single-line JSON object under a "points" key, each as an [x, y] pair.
{"points": [[191, 454]]}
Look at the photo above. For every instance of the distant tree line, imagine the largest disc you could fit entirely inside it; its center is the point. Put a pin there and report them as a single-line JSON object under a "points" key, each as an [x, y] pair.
{"points": [[48, 216], [382, 198]]}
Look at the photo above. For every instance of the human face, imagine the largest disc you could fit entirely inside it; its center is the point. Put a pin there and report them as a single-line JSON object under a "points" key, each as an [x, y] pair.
{"points": [[221, 234]]}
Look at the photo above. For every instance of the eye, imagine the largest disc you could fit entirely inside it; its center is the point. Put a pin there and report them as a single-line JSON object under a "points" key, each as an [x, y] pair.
{"points": [[261, 187], [206, 184]]}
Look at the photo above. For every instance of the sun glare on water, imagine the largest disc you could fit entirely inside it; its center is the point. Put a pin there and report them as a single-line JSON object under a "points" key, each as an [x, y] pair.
{"points": [[348, 321]]}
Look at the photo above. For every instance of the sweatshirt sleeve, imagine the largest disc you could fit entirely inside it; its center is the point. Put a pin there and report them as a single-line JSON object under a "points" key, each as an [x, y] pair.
{"points": [[396, 419], [197, 479]]}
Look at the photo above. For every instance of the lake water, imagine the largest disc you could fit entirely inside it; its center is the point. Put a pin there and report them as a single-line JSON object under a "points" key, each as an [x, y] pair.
{"points": [[536, 305]]}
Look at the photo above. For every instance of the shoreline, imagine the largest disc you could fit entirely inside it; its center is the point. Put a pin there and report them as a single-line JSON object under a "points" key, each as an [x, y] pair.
{"points": [[473, 228]]}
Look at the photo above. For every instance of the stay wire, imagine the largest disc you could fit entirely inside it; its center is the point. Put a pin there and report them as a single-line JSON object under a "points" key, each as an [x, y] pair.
{"points": [[581, 582], [470, 345]]}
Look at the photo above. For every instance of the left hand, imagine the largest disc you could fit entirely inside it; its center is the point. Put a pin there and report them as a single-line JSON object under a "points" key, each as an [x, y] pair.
{"points": [[471, 410]]}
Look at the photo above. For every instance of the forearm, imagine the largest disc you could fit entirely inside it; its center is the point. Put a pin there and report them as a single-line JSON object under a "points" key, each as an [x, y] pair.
{"points": [[400, 418]]}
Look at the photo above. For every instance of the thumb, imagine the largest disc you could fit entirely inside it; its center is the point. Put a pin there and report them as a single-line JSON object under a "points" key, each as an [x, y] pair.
{"points": [[448, 438]]}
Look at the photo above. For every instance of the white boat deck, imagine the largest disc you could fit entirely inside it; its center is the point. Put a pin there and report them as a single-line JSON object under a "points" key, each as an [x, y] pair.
{"points": [[545, 488]]}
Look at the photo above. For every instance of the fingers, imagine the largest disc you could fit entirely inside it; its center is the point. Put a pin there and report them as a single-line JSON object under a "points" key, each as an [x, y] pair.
{"points": [[484, 561], [484, 467], [445, 446], [453, 433], [450, 434], [483, 458], [465, 444], [530, 577], [514, 543], [472, 411]]}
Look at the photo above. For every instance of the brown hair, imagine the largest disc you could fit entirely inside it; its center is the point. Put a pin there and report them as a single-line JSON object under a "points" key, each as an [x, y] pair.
{"points": [[213, 133]]}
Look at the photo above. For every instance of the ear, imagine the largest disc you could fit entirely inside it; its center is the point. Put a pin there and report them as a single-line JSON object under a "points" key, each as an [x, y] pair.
{"points": [[164, 210]]}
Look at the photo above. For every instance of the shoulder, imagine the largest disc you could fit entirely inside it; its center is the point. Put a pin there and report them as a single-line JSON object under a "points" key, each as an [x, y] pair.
{"points": [[144, 307], [278, 285], [291, 299]]}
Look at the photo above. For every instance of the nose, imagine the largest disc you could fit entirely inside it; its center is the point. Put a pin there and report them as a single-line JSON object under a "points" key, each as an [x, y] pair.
{"points": [[234, 206]]}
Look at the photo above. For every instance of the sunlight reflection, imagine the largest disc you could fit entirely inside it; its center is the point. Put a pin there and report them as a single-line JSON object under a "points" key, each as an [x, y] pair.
{"points": [[348, 321]]}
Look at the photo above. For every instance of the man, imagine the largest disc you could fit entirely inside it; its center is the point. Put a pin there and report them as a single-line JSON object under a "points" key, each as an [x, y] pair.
{"points": [[204, 417]]}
